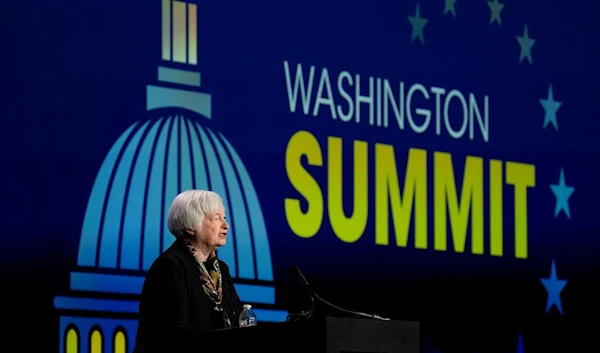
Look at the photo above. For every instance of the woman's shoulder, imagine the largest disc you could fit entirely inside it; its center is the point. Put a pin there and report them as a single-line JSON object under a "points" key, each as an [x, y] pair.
{"points": [[170, 260]]}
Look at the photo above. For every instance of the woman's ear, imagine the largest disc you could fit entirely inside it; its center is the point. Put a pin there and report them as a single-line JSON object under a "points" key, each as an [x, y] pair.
{"points": [[190, 231]]}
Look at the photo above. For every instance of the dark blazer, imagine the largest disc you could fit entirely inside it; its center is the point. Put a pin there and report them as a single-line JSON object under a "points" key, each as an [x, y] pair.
{"points": [[174, 309]]}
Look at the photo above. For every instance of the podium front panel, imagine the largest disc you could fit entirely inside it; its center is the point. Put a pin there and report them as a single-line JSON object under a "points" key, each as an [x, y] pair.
{"points": [[371, 336]]}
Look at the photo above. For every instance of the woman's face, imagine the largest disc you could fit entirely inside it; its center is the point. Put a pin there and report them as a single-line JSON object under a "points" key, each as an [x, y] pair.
{"points": [[213, 231]]}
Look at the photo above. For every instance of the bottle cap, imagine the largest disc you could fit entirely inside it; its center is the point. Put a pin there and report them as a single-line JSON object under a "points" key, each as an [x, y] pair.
{"points": [[247, 306]]}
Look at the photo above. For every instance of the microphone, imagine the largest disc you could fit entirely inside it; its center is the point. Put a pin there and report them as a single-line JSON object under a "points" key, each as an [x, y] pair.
{"points": [[296, 272]]}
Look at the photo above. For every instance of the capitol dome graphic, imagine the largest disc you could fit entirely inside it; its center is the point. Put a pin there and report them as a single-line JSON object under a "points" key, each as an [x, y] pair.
{"points": [[124, 229]]}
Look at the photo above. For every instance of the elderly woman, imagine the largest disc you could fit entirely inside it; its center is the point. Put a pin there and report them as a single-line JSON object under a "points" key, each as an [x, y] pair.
{"points": [[187, 289]]}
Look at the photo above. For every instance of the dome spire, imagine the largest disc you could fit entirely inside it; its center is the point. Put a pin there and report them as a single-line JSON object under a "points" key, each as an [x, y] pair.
{"points": [[179, 45], [179, 32]]}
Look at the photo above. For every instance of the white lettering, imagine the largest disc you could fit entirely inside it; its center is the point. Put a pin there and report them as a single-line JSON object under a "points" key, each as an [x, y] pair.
{"points": [[364, 99], [454, 133], [426, 113], [348, 99], [345, 117], [305, 92], [324, 83]]}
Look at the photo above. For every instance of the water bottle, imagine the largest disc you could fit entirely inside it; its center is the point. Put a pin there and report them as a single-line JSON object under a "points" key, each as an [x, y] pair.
{"points": [[247, 317]]}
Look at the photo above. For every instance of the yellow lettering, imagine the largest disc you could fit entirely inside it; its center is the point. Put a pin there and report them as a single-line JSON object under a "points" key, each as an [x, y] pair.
{"points": [[347, 229], [387, 188], [496, 208], [304, 224], [398, 202], [471, 199], [521, 176]]}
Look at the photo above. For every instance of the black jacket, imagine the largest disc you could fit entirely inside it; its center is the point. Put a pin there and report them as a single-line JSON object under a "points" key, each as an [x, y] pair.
{"points": [[174, 309]]}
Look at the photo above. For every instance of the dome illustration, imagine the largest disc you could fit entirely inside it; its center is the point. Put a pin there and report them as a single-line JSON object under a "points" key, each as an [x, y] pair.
{"points": [[124, 229], [151, 162]]}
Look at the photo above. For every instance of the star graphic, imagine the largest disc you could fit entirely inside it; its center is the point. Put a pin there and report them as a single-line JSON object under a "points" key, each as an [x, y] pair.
{"points": [[418, 23], [562, 192], [496, 8], [553, 286], [526, 43], [520, 348], [551, 107], [449, 7]]}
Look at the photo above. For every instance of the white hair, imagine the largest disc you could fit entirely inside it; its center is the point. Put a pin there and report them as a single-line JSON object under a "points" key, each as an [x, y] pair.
{"points": [[189, 208]]}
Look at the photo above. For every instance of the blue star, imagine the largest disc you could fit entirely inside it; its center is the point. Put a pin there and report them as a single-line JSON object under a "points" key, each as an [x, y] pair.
{"points": [[562, 193], [553, 286], [550, 107], [449, 7], [418, 23], [520, 348], [496, 8], [526, 43]]}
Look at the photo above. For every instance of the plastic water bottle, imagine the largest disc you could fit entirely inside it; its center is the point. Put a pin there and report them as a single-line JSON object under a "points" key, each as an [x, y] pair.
{"points": [[247, 316]]}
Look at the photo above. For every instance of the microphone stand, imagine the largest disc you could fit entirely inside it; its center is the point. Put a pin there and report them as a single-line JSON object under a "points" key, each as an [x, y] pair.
{"points": [[295, 271]]}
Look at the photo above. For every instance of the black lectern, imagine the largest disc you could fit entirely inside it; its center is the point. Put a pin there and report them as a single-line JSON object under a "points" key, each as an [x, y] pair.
{"points": [[322, 335]]}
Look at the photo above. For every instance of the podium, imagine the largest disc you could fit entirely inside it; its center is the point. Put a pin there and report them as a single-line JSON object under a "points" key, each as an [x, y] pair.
{"points": [[322, 335]]}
